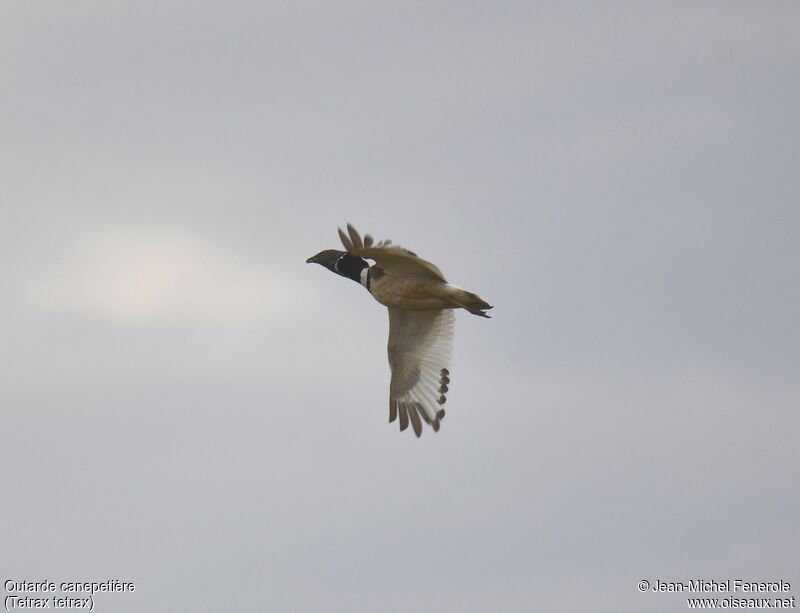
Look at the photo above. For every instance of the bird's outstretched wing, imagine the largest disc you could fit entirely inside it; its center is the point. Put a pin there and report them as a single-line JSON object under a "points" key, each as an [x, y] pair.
{"points": [[420, 346], [392, 259]]}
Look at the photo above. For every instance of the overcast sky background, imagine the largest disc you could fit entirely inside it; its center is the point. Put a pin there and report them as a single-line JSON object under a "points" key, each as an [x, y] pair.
{"points": [[187, 405]]}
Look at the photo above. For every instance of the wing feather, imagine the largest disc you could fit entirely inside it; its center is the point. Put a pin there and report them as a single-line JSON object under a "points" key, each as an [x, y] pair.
{"points": [[401, 406], [392, 259], [420, 346], [358, 244], [416, 422], [348, 245]]}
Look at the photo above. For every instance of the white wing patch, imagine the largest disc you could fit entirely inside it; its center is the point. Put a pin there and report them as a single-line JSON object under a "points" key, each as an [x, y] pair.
{"points": [[420, 347]]}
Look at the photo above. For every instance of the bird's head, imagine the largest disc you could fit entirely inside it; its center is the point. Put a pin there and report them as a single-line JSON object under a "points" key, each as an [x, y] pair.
{"points": [[326, 258], [340, 262]]}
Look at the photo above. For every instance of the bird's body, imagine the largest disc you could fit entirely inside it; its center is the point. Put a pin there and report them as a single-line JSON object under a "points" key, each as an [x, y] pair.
{"points": [[421, 321], [411, 292]]}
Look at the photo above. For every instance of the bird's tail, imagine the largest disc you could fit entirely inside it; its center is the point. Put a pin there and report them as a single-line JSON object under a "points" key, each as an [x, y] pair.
{"points": [[469, 301]]}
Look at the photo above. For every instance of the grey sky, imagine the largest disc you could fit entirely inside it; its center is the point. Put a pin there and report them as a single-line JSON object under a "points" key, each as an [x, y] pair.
{"points": [[189, 406]]}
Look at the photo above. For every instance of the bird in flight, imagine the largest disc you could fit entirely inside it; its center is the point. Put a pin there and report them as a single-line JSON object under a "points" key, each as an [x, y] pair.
{"points": [[421, 320]]}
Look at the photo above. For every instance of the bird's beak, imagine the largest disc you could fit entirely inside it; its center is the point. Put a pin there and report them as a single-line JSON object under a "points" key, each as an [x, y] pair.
{"points": [[311, 260]]}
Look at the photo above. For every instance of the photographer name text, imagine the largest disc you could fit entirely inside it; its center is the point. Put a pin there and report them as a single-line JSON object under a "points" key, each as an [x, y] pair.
{"points": [[722, 586]]}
